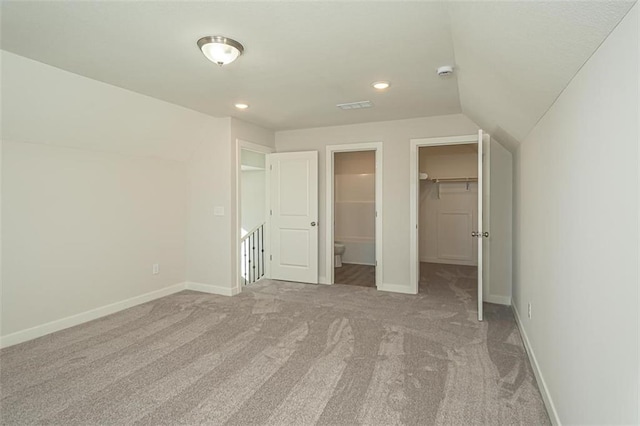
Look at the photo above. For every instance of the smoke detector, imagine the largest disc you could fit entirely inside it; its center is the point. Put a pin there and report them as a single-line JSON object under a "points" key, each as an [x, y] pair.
{"points": [[445, 70]]}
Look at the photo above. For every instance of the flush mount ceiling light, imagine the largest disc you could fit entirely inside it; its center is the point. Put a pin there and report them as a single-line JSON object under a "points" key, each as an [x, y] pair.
{"points": [[220, 50], [380, 85], [241, 106]]}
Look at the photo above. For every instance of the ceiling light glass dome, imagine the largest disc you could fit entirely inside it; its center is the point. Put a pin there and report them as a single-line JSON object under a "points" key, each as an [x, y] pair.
{"points": [[220, 50]]}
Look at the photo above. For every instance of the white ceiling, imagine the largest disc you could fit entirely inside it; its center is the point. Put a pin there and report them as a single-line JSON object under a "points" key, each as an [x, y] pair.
{"points": [[302, 58]]}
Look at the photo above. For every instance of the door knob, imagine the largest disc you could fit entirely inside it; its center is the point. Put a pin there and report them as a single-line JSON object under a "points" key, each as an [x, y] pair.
{"points": [[485, 234], [474, 234], [313, 224]]}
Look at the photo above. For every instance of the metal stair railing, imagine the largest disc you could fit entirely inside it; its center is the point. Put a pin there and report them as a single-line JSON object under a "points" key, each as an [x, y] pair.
{"points": [[252, 252]]}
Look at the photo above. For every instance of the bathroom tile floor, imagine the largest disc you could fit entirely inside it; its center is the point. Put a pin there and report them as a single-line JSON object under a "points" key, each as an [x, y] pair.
{"points": [[358, 275]]}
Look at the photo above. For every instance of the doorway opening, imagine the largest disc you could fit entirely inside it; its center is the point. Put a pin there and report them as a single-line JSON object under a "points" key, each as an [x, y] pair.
{"points": [[353, 252], [354, 199], [253, 215], [480, 140], [447, 215], [252, 230]]}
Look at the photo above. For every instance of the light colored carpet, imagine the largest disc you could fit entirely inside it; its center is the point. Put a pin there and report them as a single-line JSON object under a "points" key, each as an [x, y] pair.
{"points": [[351, 274], [282, 354]]}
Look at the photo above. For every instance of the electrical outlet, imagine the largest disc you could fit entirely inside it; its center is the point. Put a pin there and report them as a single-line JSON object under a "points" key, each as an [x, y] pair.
{"points": [[529, 310], [156, 269]]}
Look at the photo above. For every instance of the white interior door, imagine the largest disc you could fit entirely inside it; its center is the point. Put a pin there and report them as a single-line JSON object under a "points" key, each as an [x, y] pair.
{"points": [[294, 216], [482, 230]]}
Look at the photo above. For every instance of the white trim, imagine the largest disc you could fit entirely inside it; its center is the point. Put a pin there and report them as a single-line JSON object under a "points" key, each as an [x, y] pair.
{"points": [[73, 320], [542, 385], [415, 144], [480, 216], [235, 276], [499, 300], [396, 288], [102, 311], [213, 289], [329, 237], [447, 140]]}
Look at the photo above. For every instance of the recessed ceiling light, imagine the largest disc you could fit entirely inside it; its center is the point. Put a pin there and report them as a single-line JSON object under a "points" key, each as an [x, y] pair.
{"points": [[381, 85], [242, 106], [220, 50]]}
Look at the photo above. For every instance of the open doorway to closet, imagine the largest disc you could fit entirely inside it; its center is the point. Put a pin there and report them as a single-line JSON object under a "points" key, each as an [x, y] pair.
{"points": [[448, 213], [448, 207], [354, 212], [445, 227]]}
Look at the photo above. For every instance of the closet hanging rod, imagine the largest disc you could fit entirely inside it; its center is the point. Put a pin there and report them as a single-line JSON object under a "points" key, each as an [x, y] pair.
{"points": [[460, 179]]}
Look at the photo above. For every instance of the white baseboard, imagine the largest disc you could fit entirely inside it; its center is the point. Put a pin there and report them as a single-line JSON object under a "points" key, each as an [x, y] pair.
{"points": [[213, 289], [61, 324], [358, 263], [448, 261], [546, 397], [395, 288], [500, 300]]}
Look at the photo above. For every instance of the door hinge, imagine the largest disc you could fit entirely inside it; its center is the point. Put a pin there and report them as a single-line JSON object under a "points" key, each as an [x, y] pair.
{"points": [[270, 166], [270, 257], [270, 212]]}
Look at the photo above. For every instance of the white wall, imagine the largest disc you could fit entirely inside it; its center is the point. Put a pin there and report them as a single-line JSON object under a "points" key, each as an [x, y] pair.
{"points": [[576, 246], [94, 188], [498, 211], [83, 229], [395, 136], [208, 187]]}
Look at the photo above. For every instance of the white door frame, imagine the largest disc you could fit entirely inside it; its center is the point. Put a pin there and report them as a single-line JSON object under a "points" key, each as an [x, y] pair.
{"points": [[249, 146], [414, 261], [329, 203]]}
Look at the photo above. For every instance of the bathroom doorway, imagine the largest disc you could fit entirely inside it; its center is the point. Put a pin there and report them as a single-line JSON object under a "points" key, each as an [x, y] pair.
{"points": [[354, 200]]}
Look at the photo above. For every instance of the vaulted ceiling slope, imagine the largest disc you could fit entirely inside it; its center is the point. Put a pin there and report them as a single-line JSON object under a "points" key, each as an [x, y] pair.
{"points": [[515, 58], [512, 59]]}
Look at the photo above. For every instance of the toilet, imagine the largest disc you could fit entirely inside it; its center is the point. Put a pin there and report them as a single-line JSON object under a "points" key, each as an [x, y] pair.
{"points": [[338, 251]]}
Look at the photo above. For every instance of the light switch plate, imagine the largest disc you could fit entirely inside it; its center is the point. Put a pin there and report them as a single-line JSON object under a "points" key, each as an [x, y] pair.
{"points": [[218, 211]]}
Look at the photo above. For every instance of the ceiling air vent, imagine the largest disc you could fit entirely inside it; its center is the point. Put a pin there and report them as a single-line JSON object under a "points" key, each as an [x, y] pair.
{"points": [[355, 105]]}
